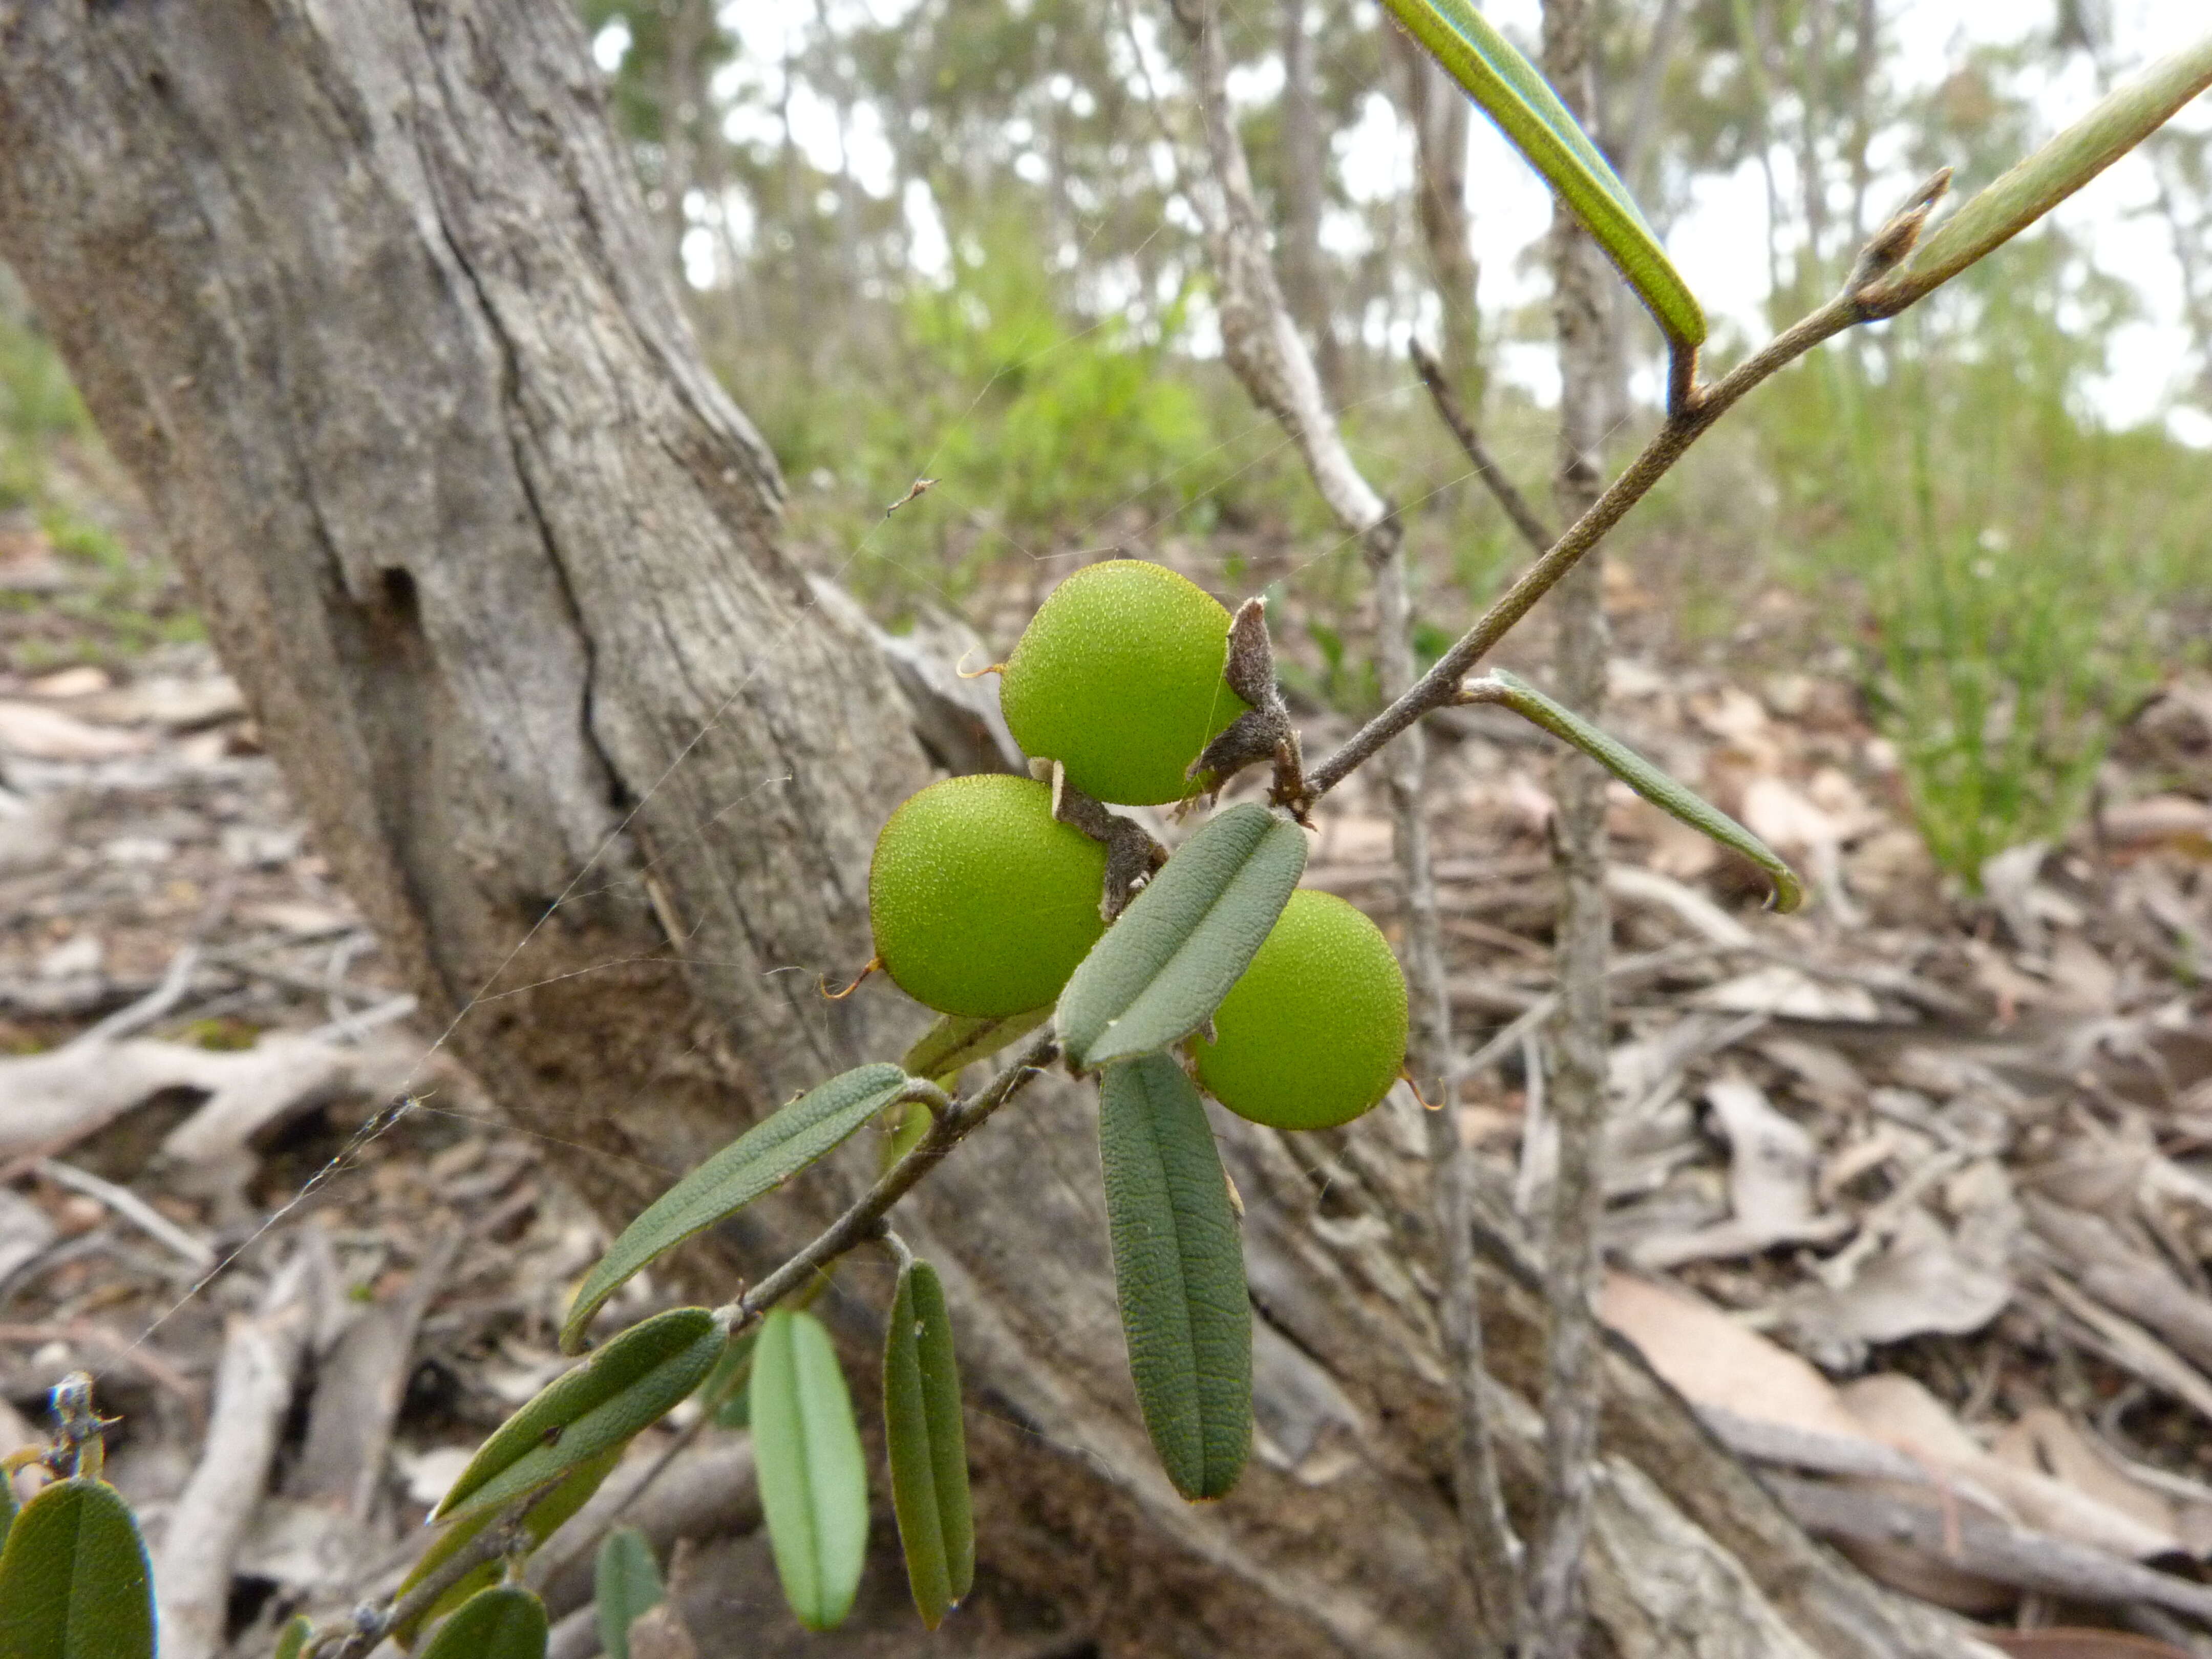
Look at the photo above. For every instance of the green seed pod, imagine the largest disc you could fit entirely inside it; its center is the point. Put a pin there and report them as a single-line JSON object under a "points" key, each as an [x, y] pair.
{"points": [[982, 902], [1315, 1032], [1118, 678]]}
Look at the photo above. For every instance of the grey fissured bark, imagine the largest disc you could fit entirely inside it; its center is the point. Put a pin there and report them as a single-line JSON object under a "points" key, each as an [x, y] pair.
{"points": [[362, 296]]}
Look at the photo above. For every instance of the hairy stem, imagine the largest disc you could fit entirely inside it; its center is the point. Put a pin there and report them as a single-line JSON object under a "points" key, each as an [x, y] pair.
{"points": [[864, 1220], [1437, 688]]}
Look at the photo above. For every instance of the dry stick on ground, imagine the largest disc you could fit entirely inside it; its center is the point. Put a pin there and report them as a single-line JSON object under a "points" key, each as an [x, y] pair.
{"points": [[1987, 1548], [1263, 346], [261, 1356], [359, 1388], [1582, 1036]]}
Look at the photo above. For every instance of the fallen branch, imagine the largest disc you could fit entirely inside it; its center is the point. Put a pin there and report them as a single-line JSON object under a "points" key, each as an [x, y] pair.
{"points": [[195, 1252], [261, 1356], [1987, 1548]]}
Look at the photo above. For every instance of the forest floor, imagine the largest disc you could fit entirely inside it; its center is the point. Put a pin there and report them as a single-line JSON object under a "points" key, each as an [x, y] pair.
{"points": [[1911, 1191]]}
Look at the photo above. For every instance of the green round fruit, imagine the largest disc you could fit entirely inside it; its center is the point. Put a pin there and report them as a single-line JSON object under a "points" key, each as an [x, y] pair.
{"points": [[1315, 1032], [1118, 678], [982, 901]]}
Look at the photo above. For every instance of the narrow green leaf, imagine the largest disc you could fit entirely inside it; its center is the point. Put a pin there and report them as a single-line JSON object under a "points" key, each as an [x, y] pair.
{"points": [[1179, 1270], [504, 1622], [74, 1581], [1163, 969], [1513, 692], [958, 1040], [2123, 119], [294, 1641], [813, 1480], [625, 1581], [539, 1522], [627, 1384], [1509, 89], [928, 1446], [758, 1161]]}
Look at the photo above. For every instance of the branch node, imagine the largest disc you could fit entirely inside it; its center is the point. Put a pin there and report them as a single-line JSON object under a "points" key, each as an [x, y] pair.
{"points": [[1892, 245]]}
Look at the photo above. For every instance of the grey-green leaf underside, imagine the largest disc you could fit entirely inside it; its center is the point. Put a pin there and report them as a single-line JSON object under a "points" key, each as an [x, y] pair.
{"points": [[1179, 1271], [813, 1479], [1163, 969]]}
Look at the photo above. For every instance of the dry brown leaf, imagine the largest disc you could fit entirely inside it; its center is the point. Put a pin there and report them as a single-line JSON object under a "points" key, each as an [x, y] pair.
{"points": [[1898, 1410], [1791, 993], [2155, 820], [1711, 1359], [1921, 1281], [1770, 1186], [2044, 1442]]}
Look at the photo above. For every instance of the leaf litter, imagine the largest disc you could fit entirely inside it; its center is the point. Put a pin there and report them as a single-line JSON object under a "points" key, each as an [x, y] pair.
{"points": [[1910, 1195]]}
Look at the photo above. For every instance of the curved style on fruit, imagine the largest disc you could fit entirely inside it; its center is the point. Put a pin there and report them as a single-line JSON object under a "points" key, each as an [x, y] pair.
{"points": [[1314, 1034], [1118, 678], [981, 901]]}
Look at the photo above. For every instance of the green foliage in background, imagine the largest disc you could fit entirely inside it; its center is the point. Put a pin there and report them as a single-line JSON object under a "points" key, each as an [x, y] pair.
{"points": [[2019, 563], [111, 601]]}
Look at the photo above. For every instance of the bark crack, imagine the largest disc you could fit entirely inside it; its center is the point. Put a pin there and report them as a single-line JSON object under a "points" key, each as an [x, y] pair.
{"points": [[513, 414]]}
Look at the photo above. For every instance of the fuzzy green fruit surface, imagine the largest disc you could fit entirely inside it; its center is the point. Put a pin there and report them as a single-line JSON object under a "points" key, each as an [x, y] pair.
{"points": [[1315, 1032], [982, 902], [1118, 678]]}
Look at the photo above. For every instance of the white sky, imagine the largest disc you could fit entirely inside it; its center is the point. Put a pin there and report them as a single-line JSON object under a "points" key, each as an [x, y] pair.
{"points": [[1719, 244]]}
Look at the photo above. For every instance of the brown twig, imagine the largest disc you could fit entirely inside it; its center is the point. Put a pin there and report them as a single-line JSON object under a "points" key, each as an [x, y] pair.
{"points": [[1532, 529], [864, 1219], [1437, 688]]}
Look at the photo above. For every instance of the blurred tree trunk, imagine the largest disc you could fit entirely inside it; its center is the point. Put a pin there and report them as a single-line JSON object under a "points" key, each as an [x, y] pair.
{"points": [[1302, 165], [1438, 111], [1582, 294], [365, 299]]}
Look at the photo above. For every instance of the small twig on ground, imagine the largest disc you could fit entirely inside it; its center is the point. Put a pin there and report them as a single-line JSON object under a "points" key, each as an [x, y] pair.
{"points": [[359, 1386], [261, 1356], [137, 1211], [1984, 1547], [176, 982]]}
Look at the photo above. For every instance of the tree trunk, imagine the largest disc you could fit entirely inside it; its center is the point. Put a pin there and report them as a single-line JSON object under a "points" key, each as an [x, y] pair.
{"points": [[1302, 162], [1437, 111], [363, 297], [1583, 1036]]}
